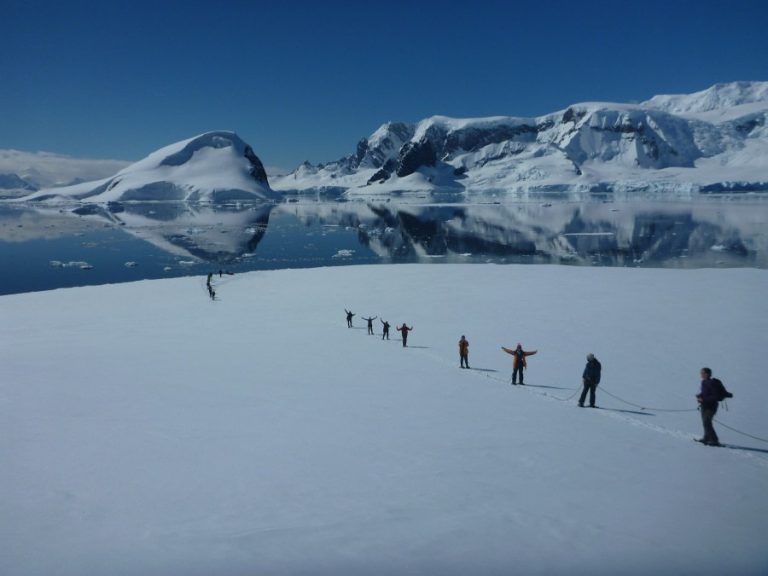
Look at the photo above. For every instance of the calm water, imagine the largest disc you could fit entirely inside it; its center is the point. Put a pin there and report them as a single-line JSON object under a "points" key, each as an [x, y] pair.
{"points": [[46, 248]]}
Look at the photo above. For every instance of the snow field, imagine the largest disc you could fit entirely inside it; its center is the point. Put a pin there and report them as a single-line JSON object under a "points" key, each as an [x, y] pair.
{"points": [[147, 430]]}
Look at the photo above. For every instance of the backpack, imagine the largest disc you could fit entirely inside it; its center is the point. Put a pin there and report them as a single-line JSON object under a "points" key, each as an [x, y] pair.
{"points": [[720, 390]]}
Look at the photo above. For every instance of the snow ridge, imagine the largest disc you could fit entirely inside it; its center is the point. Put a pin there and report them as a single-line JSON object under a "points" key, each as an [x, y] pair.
{"points": [[212, 167], [711, 141]]}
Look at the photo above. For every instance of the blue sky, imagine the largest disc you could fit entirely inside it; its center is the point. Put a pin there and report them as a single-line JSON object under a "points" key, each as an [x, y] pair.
{"points": [[306, 80]]}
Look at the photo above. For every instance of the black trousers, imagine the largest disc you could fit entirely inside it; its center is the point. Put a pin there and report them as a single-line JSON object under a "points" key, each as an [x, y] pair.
{"points": [[385, 333], [515, 371], [707, 415], [590, 387], [464, 360]]}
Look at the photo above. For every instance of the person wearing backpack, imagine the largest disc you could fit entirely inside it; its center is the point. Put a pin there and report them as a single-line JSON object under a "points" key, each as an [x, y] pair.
{"points": [[590, 378], [711, 394]]}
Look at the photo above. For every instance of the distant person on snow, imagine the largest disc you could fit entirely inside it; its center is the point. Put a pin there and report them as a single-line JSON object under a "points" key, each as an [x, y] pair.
{"points": [[385, 330], [370, 324], [712, 392], [464, 352], [590, 378], [211, 292], [519, 363], [349, 318], [210, 275], [404, 331]]}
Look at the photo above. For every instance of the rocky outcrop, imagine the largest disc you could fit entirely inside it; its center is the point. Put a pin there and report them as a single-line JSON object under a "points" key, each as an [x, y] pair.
{"points": [[414, 155]]}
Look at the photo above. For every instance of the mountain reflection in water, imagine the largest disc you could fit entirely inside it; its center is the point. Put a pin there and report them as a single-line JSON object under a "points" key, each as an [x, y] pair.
{"points": [[188, 239]]}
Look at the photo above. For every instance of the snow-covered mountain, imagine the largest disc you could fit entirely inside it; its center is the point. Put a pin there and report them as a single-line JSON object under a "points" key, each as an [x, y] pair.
{"points": [[710, 141], [25, 172], [211, 167]]}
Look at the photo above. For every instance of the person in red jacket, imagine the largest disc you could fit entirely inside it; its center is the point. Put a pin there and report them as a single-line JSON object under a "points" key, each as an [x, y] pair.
{"points": [[404, 331], [519, 363]]}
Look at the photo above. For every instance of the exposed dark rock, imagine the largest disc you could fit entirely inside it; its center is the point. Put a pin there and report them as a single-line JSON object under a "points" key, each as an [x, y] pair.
{"points": [[381, 175], [362, 149], [747, 126], [414, 155], [572, 115], [257, 168]]}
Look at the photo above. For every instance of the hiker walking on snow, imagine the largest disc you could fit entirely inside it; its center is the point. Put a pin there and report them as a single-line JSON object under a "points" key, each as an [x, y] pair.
{"points": [[519, 363], [370, 323], [464, 352], [404, 331], [349, 318], [385, 329], [711, 393], [590, 378]]}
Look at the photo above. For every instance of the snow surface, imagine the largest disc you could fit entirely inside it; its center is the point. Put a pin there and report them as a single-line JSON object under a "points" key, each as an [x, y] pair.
{"points": [[145, 429]]}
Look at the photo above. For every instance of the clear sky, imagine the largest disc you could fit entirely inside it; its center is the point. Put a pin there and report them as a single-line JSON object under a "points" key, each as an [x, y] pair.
{"points": [[306, 80]]}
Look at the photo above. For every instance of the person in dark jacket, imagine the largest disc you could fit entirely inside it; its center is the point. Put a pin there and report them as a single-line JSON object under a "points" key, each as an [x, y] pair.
{"points": [[349, 318], [385, 329], [708, 402], [519, 363], [370, 323], [404, 331], [590, 378], [464, 352]]}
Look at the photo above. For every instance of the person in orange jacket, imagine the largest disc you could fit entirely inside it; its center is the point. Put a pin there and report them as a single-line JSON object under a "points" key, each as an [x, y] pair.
{"points": [[519, 363]]}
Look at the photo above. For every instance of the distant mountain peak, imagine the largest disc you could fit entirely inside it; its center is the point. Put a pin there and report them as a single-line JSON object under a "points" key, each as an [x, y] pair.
{"points": [[717, 97]]}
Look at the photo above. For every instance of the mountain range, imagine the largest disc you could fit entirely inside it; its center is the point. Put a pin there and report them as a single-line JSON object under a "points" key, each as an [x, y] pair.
{"points": [[712, 141], [715, 140]]}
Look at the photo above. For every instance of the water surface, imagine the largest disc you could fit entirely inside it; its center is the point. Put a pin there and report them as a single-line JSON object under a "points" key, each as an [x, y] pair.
{"points": [[44, 248]]}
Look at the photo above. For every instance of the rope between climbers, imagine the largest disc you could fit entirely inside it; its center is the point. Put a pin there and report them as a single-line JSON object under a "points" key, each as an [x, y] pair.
{"points": [[742, 433], [646, 407]]}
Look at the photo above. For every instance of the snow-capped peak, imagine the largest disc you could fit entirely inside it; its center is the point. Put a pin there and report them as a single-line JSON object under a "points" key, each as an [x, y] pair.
{"points": [[715, 98], [713, 140], [211, 167]]}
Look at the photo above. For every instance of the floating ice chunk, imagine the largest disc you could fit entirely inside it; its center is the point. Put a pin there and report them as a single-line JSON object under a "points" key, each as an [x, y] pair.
{"points": [[131, 264], [343, 254]]}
